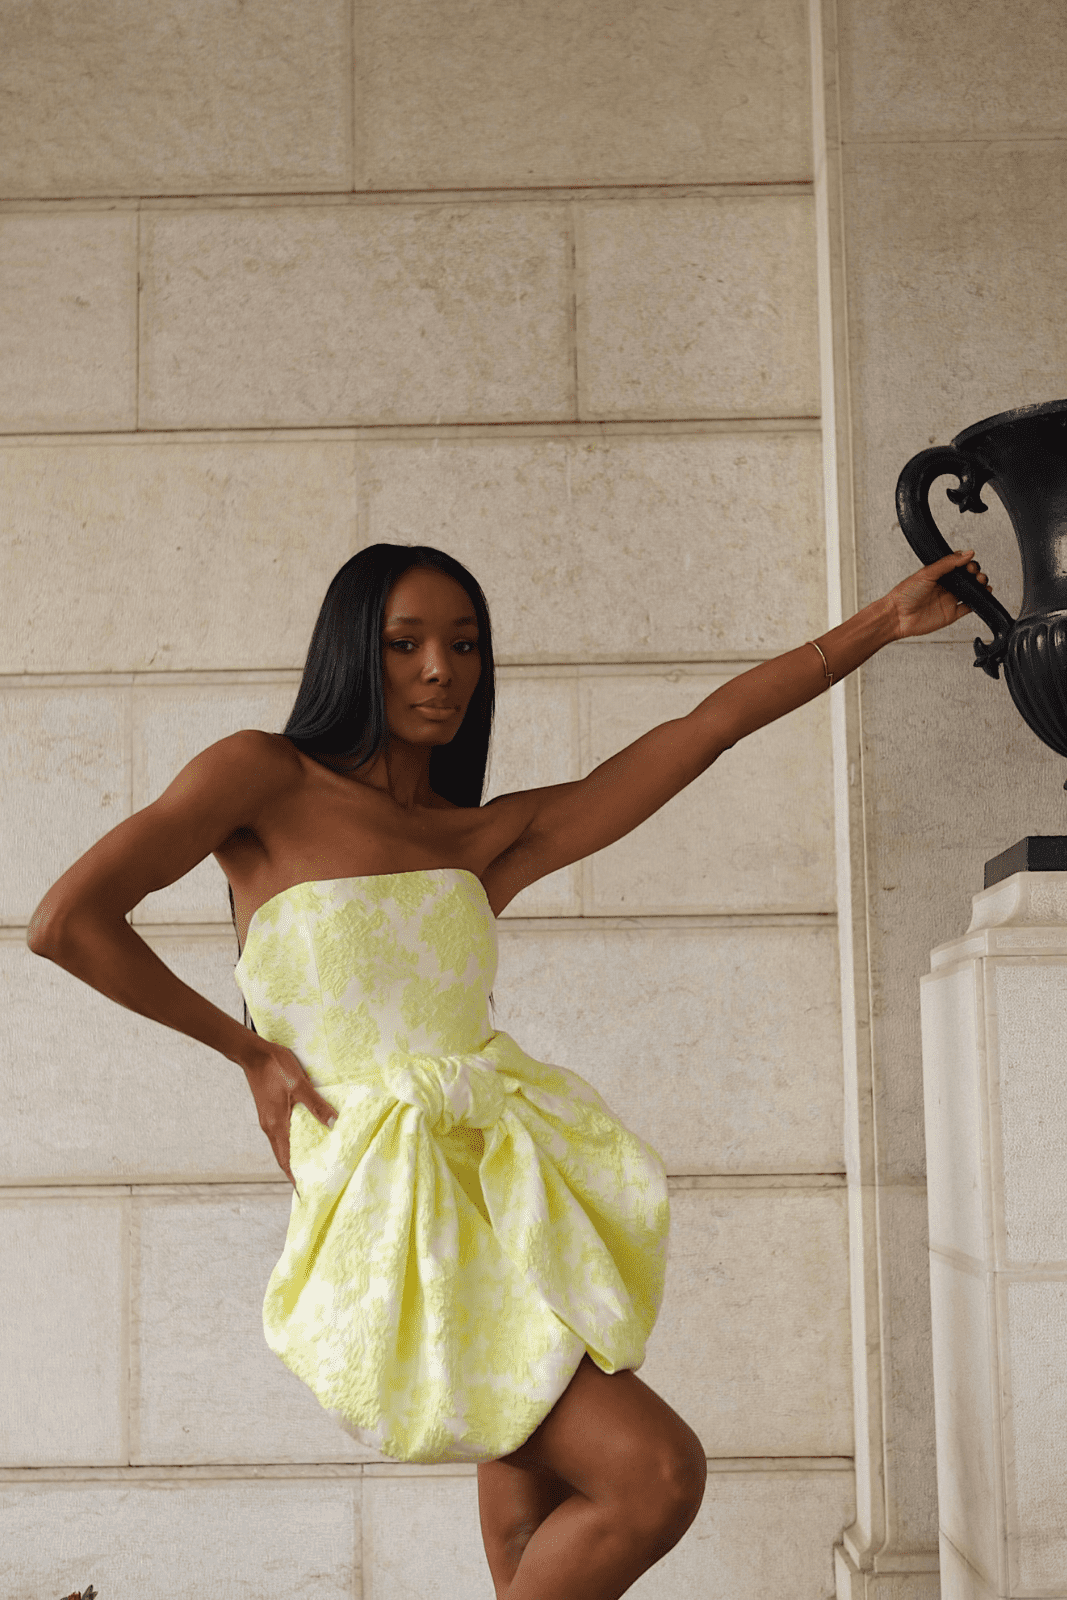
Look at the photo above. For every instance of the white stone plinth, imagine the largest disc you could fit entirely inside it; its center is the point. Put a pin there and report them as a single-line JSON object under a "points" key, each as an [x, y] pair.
{"points": [[994, 1014]]}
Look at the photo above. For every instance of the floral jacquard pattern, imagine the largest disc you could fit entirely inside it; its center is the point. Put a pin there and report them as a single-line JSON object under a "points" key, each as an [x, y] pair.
{"points": [[476, 1220]]}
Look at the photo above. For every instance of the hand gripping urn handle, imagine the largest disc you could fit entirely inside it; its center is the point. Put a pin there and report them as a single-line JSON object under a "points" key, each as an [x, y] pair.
{"points": [[924, 536]]}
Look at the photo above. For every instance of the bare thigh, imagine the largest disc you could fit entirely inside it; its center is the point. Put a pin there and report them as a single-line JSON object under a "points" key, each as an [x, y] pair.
{"points": [[612, 1440]]}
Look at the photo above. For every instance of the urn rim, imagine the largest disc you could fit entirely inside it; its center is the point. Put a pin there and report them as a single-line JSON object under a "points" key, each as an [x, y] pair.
{"points": [[1046, 408]]}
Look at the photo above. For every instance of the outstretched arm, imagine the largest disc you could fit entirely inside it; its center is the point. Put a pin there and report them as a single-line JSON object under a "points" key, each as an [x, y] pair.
{"points": [[568, 821]]}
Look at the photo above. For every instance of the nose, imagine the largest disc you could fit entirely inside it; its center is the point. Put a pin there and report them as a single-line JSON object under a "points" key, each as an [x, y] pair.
{"points": [[434, 667]]}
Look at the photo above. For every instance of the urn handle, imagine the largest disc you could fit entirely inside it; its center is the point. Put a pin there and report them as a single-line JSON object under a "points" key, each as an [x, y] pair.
{"points": [[925, 538]]}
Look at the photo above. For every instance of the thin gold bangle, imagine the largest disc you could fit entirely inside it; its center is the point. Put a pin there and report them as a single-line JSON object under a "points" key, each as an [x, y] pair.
{"points": [[825, 666]]}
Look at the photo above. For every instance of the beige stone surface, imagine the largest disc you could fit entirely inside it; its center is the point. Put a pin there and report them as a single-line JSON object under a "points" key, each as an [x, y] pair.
{"points": [[752, 1344], [172, 724], [188, 97], [163, 556], [248, 536], [68, 343], [767, 1533], [64, 781], [314, 315], [535, 743], [958, 306], [207, 1387], [672, 546], [421, 1539], [1030, 1114], [910, 1465], [946, 759], [974, 68], [62, 1348], [94, 1093], [958, 1580], [753, 833], [964, 1384], [953, 1070], [217, 1540], [903, 1585], [697, 307], [720, 1046], [584, 92], [1034, 1420]]}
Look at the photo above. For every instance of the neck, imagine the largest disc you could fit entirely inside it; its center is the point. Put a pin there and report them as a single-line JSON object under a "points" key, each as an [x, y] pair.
{"points": [[402, 771]]}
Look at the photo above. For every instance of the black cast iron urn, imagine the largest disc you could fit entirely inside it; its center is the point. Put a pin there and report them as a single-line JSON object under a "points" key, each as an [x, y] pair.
{"points": [[1022, 455]]}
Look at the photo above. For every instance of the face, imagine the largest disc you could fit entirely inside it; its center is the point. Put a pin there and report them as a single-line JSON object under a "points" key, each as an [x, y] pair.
{"points": [[431, 662]]}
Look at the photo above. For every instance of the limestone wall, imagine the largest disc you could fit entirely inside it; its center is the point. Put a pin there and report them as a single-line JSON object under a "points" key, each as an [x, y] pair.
{"points": [[535, 282]]}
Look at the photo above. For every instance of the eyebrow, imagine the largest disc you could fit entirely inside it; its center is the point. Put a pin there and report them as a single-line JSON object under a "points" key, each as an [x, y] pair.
{"points": [[455, 623]]}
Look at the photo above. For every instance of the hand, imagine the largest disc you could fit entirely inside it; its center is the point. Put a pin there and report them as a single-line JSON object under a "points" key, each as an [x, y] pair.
{"points": [[278, 1082], [922, 605]]}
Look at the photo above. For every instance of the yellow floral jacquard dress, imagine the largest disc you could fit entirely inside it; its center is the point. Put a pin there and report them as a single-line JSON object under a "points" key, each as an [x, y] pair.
{"points": [[475, 1220]]}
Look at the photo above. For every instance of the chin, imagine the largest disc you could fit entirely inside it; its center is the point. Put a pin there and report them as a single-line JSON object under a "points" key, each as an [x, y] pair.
{"points": [[431, 736]]}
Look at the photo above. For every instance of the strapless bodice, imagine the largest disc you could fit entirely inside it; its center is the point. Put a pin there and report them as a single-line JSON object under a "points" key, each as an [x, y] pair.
{"points": [[350, 972]]}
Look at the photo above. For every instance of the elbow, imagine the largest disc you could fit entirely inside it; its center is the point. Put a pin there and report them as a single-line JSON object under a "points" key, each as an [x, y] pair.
{"points": [[46, 934], [41, 934]]}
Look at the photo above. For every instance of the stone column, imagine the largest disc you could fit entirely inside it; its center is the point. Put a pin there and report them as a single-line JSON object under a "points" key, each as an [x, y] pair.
{"points": [[994, 1017]]}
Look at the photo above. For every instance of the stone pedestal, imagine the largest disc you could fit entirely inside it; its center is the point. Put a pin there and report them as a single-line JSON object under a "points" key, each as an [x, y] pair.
{"points": [[994, 1013]]}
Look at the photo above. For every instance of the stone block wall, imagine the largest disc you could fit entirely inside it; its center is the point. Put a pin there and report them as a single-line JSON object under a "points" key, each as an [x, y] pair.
{"points": [[536, 283]]}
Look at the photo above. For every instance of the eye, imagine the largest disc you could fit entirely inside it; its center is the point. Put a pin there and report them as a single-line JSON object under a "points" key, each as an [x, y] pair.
{"points": [[400, 644], [466, 645]]}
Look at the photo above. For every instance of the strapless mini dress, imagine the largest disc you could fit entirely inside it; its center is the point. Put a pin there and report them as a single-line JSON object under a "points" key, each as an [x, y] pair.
{"points": [[475, 1221]]}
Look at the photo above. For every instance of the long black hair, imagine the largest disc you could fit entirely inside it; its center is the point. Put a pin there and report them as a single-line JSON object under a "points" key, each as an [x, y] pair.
{"points": [[339, 718]]}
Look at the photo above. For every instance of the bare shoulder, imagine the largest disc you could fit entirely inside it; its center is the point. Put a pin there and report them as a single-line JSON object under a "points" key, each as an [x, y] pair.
{"points": [[224, 791], [251, 763]]}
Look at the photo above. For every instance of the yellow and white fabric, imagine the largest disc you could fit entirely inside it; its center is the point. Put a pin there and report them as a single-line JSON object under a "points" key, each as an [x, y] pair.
{"points": [[475, 1220]]}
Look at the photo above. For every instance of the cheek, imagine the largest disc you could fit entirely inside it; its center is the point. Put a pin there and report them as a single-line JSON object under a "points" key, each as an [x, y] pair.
{"points": [[393, 664], [473, 674]]}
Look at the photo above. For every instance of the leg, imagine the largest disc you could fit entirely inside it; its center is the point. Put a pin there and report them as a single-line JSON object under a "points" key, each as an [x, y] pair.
{"points": [[636, 1473], [513, 1501]]}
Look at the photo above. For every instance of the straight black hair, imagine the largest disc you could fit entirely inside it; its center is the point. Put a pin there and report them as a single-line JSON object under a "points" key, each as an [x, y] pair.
{"points": [[339, 718]]}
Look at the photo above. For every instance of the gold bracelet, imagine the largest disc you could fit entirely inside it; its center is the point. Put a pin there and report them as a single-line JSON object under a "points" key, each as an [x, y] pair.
{"points": [[825, 666]]}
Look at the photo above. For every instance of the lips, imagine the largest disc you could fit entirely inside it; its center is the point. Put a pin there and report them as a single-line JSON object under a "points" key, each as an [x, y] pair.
{"points": [[435, 705]]}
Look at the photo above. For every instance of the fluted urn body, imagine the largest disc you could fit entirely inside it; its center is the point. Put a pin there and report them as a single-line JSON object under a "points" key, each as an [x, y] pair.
{"points": [[1022, 456]]}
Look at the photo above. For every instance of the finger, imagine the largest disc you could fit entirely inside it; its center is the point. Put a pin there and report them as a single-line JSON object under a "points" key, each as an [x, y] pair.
{"points": [[954, 559], [320, 1109], [287, 1169], [280, 1147]]}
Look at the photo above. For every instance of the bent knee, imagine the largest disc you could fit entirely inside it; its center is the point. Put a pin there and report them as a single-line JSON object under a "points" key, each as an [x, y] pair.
{"points": [[670, 1493]]}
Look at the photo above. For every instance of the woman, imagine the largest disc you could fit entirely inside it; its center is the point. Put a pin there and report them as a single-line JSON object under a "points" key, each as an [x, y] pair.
{"points": [[475, 1250]]}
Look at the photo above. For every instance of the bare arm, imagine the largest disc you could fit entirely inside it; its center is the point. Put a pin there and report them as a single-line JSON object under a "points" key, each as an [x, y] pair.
{"points": [[566, 822], [81, 922]]}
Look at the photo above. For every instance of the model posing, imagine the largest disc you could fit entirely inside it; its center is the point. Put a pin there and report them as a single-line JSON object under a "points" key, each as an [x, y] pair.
{"points": [[476, 1245]]}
